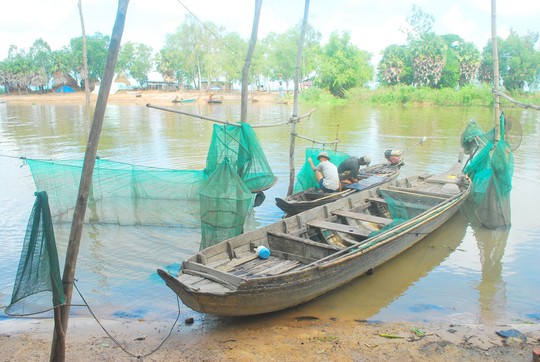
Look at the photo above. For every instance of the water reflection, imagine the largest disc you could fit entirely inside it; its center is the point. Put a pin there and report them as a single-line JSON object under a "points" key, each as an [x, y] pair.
{"points": [[442, 277], [491, 247]]}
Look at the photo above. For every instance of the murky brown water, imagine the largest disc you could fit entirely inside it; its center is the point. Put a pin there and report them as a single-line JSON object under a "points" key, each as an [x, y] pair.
{"points": [[462, 272]]}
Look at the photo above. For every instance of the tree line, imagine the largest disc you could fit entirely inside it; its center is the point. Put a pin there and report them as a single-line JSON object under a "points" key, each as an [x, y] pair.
{"points": [[199, 54]]}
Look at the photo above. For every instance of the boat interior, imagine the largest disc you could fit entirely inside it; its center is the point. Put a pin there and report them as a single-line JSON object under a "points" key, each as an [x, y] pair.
{"points": [[335, 232]]}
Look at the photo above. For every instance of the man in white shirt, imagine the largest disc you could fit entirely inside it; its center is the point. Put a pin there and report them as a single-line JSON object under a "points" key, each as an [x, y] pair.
{"points": [[326, 173]]}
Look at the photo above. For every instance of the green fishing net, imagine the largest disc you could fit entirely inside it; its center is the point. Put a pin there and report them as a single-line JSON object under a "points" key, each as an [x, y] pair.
{"points": [[127, 194], [403, 206], [240, 145], [121, 193], [38, 285], [491, 170], [225, 202], [306, 177]]}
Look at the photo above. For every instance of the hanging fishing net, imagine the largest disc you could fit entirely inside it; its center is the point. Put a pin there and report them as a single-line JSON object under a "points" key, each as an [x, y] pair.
{"points": [[491, 169], [306, 177], [127, 194], [225, 203], [38, 285], [239, 144]]}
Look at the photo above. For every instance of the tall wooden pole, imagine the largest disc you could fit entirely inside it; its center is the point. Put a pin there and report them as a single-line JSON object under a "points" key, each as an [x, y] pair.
{"points": [[58, 345], [294, 118], [496, 76], [247, 63], [85, 63]]}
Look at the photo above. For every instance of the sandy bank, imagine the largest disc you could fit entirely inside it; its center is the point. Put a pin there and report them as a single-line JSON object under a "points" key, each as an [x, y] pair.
{"points": [[269, 339]]}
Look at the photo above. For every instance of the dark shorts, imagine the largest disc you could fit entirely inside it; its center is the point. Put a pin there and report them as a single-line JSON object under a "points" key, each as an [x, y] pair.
{"points": [[324, 189]]}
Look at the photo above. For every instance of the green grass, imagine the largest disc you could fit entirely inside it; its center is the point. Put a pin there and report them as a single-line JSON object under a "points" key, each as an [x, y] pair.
{"points": [[470, 95]]}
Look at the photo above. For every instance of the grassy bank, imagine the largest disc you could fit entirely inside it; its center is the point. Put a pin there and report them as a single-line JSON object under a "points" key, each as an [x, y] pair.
{"points": [[470, 95]]}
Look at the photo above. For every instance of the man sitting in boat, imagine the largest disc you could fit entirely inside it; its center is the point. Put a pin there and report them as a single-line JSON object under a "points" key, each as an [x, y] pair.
{"points": [[326, 173], [348, 169]]}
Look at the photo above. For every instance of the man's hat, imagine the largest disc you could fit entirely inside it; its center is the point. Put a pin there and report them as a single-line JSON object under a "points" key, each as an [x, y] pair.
{"points": [[323, 154]]}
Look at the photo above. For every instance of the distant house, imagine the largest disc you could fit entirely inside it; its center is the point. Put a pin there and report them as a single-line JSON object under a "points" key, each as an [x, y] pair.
{"points": [[61, 79], [64, 89]]}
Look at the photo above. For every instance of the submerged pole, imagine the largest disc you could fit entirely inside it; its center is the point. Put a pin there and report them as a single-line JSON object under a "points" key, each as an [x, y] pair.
{"points": [[58, 345]]}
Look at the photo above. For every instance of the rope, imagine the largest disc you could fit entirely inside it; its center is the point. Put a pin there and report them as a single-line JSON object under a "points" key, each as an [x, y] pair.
{"points": [[210, 31], [139, 357]]}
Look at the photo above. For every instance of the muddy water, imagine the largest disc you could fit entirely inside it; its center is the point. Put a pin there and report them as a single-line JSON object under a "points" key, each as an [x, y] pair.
{"points": [[462, 272]]}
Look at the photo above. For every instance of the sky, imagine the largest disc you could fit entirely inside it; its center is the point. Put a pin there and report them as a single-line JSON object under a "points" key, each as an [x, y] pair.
{"points": [[373, 24]]}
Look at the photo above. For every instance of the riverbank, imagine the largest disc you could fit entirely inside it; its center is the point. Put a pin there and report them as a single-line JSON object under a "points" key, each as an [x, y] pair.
{"points": [[303, 338], [154, 97]]}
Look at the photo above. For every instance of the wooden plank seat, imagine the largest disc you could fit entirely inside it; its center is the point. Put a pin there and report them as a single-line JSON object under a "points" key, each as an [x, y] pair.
{"points": [[362, 217], [439, 195], [348, 229]]}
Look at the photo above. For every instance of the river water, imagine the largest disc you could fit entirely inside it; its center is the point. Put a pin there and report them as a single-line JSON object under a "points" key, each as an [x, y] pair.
{"points": [[461, 273]]}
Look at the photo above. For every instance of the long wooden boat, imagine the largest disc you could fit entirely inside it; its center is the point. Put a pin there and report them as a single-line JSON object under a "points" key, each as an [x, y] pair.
{"points": [[319, 250], [368, 177]]}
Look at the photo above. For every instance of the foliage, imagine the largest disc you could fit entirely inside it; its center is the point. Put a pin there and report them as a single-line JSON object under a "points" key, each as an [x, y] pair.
{"points": [[97, 49], [419, 24], [343, 66], [395, 65], [429, 59], [315, 95], [197, 55], [518, 61], [470, 95], [135, 60], [279, 52]]}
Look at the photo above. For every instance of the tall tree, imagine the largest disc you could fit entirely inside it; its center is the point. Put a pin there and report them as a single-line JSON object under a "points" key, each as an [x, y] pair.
{"points": [[343, 66], [429, 59], [40, 52], [98, 47], [395, 65], [135, 60], [518, 60]]}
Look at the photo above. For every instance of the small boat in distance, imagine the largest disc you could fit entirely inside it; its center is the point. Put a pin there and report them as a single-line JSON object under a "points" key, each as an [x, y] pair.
{"points": [[182, 100], [299, 258]]}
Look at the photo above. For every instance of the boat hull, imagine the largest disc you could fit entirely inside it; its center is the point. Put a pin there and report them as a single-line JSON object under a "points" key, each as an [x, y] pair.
{"points": [[212, 291]]}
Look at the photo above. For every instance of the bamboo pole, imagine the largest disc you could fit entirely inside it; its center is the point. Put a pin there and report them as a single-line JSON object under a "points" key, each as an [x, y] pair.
{"points": [[496, 76], [294, 118], [247, 64], [58, 345], [85, 64], [517, 103], [173, 110]]}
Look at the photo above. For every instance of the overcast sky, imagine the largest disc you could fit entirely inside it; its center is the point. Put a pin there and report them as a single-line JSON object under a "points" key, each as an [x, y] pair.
{"points": [[373, 24]]}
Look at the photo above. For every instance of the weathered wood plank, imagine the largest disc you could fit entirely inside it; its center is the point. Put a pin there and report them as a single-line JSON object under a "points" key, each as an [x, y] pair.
{"points": [[321, 224], [363, 217], [299, 239], [210, 273], [438, 195]]}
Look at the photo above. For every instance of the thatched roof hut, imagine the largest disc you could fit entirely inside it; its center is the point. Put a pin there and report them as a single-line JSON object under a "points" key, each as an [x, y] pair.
{"points": [[62, 79]]}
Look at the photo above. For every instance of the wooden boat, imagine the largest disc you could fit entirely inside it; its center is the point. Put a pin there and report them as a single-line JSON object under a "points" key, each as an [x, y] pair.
{"points": [[190, 100], [319, 250], [368, 177], [214, 101]]}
